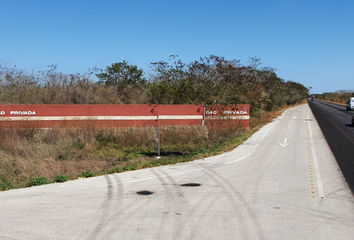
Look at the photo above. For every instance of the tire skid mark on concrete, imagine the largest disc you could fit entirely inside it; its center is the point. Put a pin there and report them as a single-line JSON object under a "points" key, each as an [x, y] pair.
{"points": [[118, 205], [168, 198], [104, 209], [229, 191], [178, 221], [116, 213], [119, 216], [185, 219], [212, 201]]}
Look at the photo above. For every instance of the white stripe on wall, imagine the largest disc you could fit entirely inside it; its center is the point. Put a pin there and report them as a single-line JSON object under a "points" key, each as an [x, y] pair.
{"points": [[228, 117], [73, 118]]}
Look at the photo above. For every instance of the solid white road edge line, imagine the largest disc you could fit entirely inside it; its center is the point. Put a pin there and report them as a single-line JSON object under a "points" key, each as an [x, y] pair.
{"points": [[255, 147], [317, 170], [79, 118]]}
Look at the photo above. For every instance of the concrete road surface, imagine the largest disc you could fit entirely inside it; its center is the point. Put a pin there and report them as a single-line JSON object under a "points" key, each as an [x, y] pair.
{"points": [[282, 183]]}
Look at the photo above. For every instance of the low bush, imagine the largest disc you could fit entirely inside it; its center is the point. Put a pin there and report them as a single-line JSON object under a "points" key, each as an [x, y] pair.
{"points": [[6, 186], [87, 174], [61, 178], [37, 181]]}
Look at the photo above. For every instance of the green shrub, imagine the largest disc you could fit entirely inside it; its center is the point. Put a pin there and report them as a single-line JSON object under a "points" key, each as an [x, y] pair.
{"points": [[61, 178], [6, 186], [87, 174], [37, 181], [65, 156], [78, 144]]}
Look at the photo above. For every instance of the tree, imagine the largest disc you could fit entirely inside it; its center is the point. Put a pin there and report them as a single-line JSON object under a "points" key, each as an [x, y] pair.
{"points": [[128, 79], [170, 83], [17, 86]]}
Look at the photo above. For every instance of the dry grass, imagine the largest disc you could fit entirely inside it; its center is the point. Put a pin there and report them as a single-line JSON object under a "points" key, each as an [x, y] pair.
{"points": [[29, 153], [226, 128]]}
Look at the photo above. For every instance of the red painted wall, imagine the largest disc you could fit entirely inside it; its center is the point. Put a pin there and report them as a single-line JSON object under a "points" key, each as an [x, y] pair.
{"points": [[44, 116], [234, 113]]}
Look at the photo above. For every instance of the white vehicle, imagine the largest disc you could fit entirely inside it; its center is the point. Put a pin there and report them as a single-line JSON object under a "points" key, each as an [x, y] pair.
{"points": [[350, 104]]}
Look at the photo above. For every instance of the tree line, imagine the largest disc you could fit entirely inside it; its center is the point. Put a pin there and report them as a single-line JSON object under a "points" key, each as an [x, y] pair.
{"points": [[209, 80], [340, 96]]}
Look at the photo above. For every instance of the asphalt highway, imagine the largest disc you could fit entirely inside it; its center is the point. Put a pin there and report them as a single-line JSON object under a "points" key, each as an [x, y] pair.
{"points": [[338, 130], [282, 183]]}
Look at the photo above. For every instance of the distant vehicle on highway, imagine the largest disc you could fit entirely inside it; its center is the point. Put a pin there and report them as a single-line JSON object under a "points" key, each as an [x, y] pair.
{"points": [[312, 99], [350, 104]]}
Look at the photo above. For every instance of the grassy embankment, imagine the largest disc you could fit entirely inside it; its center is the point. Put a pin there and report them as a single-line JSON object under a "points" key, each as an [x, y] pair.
{"points": [[37, 156]]}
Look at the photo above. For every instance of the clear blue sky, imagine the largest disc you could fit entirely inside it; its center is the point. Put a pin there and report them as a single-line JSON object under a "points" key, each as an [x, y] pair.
{"points": [[310, 42]]}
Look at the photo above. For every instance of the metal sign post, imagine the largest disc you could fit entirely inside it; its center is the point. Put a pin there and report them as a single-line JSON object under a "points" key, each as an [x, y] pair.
{"points": [[158, 138], [158, 142]]}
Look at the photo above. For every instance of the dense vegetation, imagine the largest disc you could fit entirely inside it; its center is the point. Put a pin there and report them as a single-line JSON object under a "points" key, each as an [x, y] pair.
{"points": [[30, 157], [340, 96], [208, 80]]}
